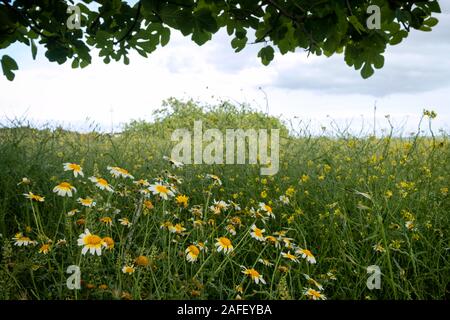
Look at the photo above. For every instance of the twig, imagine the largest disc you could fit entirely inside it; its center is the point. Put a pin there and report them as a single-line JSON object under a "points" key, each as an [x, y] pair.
{"points": [[136, 18]]}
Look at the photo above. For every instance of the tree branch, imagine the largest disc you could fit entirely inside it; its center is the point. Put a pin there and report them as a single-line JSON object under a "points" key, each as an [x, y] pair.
{"points": [[136, 18], [281, 10], [35, 27], [261, 39]]}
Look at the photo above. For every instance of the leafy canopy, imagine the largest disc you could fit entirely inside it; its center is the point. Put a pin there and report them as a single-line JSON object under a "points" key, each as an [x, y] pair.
{"points": [[116, 27]]}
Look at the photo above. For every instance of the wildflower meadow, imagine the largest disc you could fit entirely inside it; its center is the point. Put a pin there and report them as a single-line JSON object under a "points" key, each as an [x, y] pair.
{"points": [[99, 215]]}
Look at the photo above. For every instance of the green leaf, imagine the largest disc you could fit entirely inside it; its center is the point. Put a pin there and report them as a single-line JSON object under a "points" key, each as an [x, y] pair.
{"points": [[85, 63], [238, 44], [323, 27], [33, 49], [200, 37], [75, 63], [434, 6], [431, 22], [266, 54], [398, 37], [185, 22], [425, 29], [205, 20], [147, 46], [355, 23], [165, 36], [169, 14], [378, 61], [9, 65], [367, 71]]}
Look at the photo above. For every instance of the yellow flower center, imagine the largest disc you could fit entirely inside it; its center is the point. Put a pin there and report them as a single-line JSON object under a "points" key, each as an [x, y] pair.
{"points": [[102, 182], [258, 232], [123, 171], [182, 199], [109, 242], [74, 167], [65, 186], [252, 273], [290, 256], [314, 293], [36, 197], [106, 220], [161, 189], [193, 250], [307, 252], [225, 242], [142, 261], [129, 269], [92, 240], [45, 248]]}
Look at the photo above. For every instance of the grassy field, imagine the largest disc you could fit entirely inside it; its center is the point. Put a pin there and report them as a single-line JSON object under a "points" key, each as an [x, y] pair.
{"points": [[337, 206]]}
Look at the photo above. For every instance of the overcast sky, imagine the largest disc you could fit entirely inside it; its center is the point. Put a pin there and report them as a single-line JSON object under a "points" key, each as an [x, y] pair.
{"points": [[416, 75]]}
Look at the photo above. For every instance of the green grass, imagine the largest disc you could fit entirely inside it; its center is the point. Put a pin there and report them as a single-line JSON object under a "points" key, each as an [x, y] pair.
{"points": [[347, 194]]}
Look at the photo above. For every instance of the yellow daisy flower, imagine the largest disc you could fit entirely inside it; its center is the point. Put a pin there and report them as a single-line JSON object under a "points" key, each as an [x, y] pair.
{"points": [[117, 172], [142, 182], [192, 253], [108, 242], [182, 200], [267, 209], [265, 262], [273, 240], [161, 190], [72, 212], [312, 281], [21, 240], [257, 233], [231, 229], [142, 261], [128, 269], [287, 242], [64, 189], [45, 248], [306, 254], [253, 274], [106, 220], [314, 294], [174, 163], [201, 245], [178, 228], [75, 168], [30, 195], [101, 183], [216, 180], [224, 244], [87, 202], [290, 256], [91, 243], [125, 222]]}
